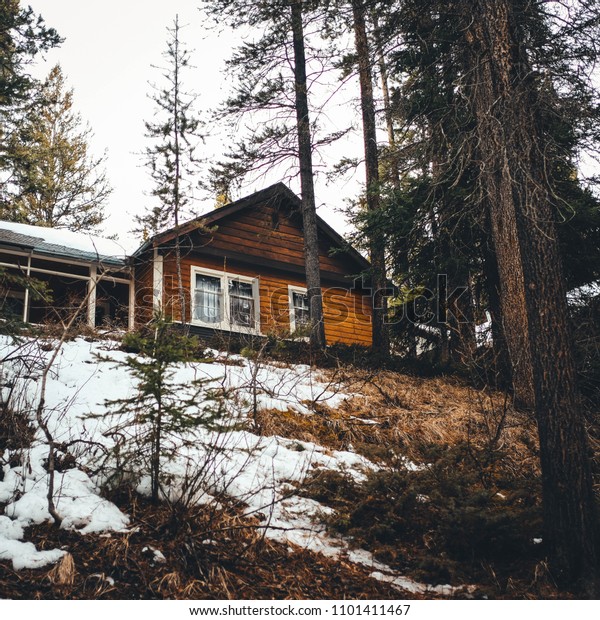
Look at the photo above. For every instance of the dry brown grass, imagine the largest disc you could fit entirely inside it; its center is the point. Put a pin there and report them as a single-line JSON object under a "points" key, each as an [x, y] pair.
{"points": [[390, 412], [64, 572], [469, 516], [239, 563]]}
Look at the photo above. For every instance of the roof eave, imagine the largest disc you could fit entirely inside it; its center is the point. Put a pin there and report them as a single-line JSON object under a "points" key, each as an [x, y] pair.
{"points": [[278, 190]]}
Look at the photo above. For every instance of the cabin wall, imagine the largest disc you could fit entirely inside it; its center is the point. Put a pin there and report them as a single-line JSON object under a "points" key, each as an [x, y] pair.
{"points": [[347, 311], [264, 243]]}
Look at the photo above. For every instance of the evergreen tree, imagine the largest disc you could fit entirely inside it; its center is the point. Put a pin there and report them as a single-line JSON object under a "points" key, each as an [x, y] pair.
{"points": [[273, 77], [171, 158], [435, 150], [499, 89], [373, 189], [54, 179], [23, 35], [309, 207], [153, 424], [516, 149]]}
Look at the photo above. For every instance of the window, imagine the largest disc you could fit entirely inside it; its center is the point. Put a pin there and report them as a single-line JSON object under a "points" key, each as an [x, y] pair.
{"points": [[241, 303], [299, 308], [207, 299], [225, 301]]}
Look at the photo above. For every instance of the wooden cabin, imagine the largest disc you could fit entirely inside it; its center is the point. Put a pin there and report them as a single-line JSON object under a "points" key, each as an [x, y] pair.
{"points": [[242, 268]]}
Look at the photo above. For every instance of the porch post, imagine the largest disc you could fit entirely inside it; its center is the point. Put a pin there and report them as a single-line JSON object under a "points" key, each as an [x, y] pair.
{"points": [[157, 282], [26, 298], [91, 303], [131, 314]]}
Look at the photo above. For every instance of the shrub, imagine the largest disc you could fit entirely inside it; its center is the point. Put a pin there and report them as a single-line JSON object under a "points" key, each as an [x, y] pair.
{"points": [[151, 424], [451, 515]]}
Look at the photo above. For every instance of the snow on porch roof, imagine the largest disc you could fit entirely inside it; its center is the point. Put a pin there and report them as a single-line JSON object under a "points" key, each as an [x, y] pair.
{"points": [[54, 242]]}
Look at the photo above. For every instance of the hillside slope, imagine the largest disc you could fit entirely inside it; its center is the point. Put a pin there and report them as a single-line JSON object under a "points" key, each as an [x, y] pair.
{"points": [[360, 484]]}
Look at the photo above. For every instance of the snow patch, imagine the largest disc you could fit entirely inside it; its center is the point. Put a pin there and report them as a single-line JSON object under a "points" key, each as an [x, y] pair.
{"points": [[261, 472]]}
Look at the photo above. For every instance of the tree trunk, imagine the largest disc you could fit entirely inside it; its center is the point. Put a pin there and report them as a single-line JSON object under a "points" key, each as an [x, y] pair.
{"points": [[502, 366], [309, 210], [394, 167], [177, 179], [377, 245], [505, 103], [461, 321]]}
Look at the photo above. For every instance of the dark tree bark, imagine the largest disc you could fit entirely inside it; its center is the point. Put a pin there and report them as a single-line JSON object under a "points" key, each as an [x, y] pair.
{"points": [[377, 245], [440, 250], [502, 364], [461, 321], [505, 102], [309, 211]]}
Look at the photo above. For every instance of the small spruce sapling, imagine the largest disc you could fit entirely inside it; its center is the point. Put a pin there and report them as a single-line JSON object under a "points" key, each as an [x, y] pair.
{"points": [[163, 415]]}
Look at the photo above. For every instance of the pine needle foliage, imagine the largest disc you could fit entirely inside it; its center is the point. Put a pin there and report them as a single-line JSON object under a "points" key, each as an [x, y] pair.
{"points": [[55, 181], [163, 415], [173, 134]]}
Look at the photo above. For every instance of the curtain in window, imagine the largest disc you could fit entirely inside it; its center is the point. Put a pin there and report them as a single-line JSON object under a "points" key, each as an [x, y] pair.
{"points": [[301, 309], [207, 299], [241, 303]]}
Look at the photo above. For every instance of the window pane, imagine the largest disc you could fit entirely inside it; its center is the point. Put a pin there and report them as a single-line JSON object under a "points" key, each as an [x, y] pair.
{"points": [[207, 299], [241, 303], [301, 309]]}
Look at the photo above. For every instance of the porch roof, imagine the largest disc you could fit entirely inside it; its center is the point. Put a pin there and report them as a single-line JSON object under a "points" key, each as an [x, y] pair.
{"points": [[58, 243]]}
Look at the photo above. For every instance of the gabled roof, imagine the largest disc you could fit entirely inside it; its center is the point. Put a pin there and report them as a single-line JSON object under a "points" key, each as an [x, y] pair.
{"points": [[274, 193], [53, 242]]}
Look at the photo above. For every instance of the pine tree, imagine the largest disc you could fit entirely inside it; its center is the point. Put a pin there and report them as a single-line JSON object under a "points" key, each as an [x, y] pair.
{"points": [[373, 198], [23, 35], [152, 425], [509, 108], [171, 158], [499, 88], [54, 179], [309, 208], [273, 78]]}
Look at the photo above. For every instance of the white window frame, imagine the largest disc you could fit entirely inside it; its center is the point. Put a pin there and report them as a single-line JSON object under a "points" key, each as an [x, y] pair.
{"points": [[225, 324], [291, 290]]}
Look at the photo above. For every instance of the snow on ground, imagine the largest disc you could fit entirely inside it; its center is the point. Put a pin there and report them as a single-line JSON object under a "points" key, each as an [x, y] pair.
{"points": [[261, 472]]}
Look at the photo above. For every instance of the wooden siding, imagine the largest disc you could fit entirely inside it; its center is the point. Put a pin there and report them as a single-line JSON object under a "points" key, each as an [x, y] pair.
{"points": [[347, 311], [266, 232], [265, 243], [143, 288]]}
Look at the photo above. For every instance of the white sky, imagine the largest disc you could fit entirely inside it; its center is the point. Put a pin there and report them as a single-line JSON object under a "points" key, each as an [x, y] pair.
{"points": [[107, 57]]}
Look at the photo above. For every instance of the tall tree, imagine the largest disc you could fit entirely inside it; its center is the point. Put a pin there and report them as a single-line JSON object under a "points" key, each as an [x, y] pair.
{"points": [[505, 115], [54, 179], [508, 108], [171, 158], [272, 85], [309, 209], [23, 35], [376, 241]]}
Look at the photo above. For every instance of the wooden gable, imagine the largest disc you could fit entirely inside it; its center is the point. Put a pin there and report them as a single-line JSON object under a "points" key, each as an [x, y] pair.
{"points": [[268, 226]]}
